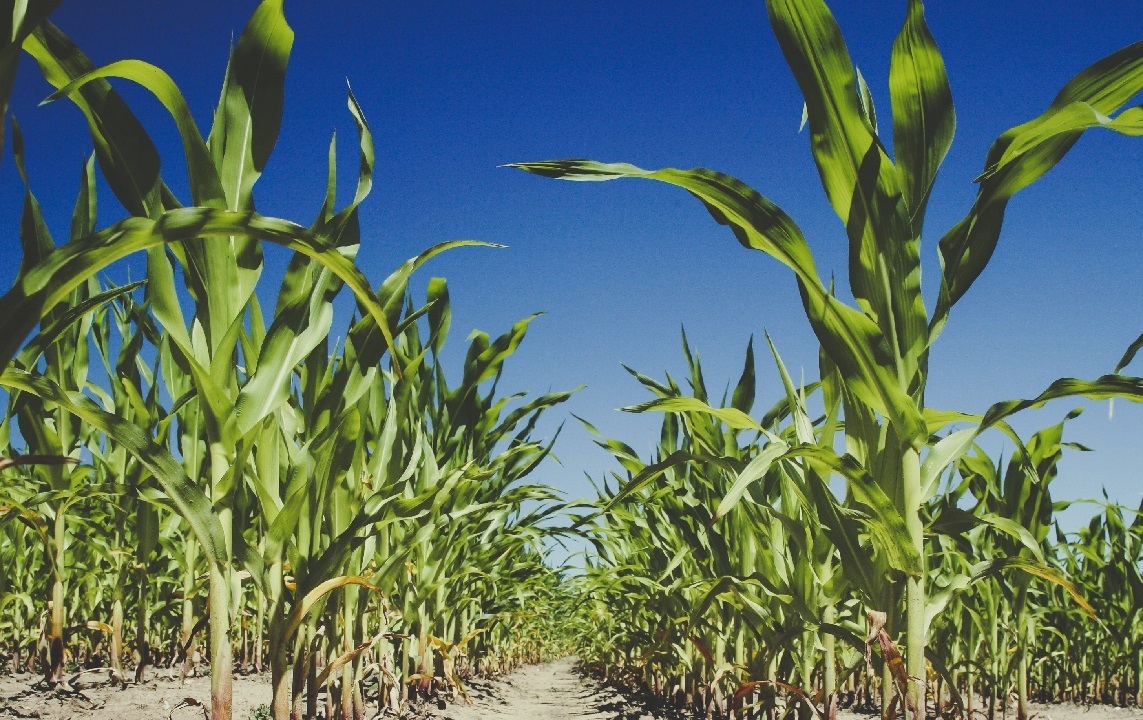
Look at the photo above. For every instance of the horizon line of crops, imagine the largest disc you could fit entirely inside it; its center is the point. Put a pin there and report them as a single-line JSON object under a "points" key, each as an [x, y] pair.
{"points": [[727, 610]]}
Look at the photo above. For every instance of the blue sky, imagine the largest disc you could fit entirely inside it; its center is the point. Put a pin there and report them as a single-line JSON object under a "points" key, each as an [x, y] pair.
{"points": [[452, 90]]}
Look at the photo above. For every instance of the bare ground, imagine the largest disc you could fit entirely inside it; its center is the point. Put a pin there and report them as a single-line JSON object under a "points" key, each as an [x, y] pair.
{"points": [[161, 698], [1040, 711], [551, 691], [557, 691]]}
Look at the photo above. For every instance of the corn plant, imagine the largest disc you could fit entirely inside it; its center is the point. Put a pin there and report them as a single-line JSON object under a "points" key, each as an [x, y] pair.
{"points": [[65, 362], [221, 174], [711, 614], [298, 468], [1018, 507], [757, 574], [881, 346]]}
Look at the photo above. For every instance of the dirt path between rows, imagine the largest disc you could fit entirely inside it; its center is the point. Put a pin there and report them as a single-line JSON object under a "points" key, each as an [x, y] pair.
{"points": [[550, 691], [557, 691]]}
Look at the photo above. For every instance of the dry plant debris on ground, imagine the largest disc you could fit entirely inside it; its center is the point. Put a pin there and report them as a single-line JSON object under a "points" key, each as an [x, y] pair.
{"points": [[547, 691]]}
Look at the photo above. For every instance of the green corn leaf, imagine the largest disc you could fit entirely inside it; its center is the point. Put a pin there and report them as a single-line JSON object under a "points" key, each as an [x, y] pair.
{"points": [[744, 392], [206, 188], [192, 358], [249, 113], [191, 503], [754, 471], [44, 286], [781, 409], [803, 425], [857, 175], [923, 118], [1016, 530], [966, 249], [946, 451], [1038, 145], [488, 362], [843, 530], [1103, 388], [311, 598], [886, 525], [529, 409], [650, 473], [950, 449], [35, 240], [940, 596], [863, 354], [865, 96], [733, 417], [440, 313], [991, 568], [30, 354], [391, 295], [300, 324], [127, 157], [84, 215], [251, 561], [845, 635]]}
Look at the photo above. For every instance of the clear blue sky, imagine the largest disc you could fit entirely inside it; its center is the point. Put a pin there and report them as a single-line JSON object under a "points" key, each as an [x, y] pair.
{"points": [[454, 89]]}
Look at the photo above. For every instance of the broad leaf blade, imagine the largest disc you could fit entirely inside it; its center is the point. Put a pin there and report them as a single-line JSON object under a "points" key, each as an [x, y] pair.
{"points": [[923, 118]]}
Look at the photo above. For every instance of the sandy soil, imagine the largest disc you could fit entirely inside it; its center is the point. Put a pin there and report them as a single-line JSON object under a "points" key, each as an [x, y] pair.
{"points": [[556, 691], [1062, 711], [552, 691], [161, 698]]}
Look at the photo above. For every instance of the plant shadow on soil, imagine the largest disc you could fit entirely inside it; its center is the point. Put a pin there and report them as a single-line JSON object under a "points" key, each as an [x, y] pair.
{"points": [[563, 689], [559, 690]]}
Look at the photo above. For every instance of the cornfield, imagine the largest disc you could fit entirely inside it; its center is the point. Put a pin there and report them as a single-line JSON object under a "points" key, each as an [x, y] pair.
{"points": [[196, 481]]}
